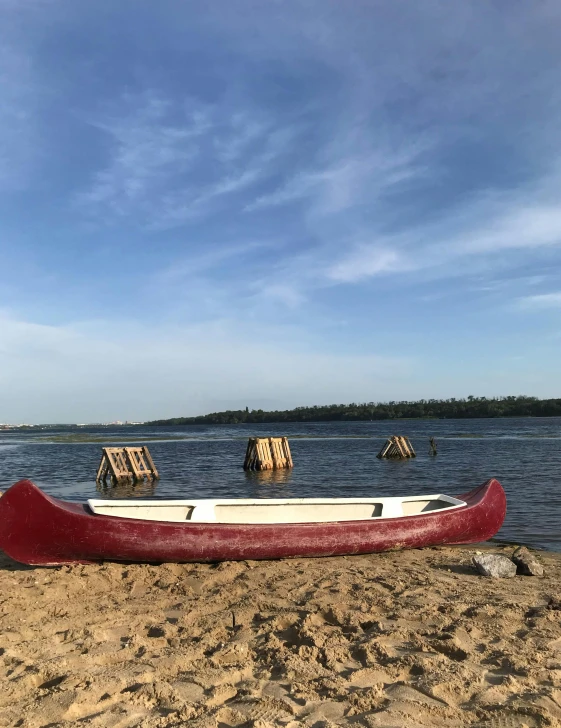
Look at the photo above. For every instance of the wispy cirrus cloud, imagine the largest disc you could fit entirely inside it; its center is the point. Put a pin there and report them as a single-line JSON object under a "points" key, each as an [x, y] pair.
{"points": [[202, 262], [541, 301], [366, 261], [146, 148], [516, 224], [476, 233], [170, 162], [492, 232], [353, 173]]}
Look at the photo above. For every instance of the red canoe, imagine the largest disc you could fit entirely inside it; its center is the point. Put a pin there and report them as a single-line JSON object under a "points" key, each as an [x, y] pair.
{"points": [[38, 529]]}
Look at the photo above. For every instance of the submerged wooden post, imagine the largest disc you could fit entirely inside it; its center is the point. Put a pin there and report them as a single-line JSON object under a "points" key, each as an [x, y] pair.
{"points": [[267, 453], [397, 447], [126, 465], [432, 444]]}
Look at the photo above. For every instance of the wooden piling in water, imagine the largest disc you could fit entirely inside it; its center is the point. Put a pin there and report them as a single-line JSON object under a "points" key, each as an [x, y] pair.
{"points": [[126, 465], [397, 447], [267, 453]]}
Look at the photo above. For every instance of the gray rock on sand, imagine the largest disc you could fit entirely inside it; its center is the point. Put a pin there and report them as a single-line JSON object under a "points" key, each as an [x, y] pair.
{"points": [[494, 565], [527, 564]]}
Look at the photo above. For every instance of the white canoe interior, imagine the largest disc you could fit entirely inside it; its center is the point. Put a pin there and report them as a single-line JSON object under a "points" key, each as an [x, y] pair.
{"points": [[295, 510]]}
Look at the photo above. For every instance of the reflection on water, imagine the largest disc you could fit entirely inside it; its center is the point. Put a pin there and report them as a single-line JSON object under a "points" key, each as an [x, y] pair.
{"points": [[112, 489], [270, 483], [332, 460], [263, 484]]}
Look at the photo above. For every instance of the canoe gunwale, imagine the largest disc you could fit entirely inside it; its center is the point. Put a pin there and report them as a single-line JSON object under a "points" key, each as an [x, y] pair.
{"points": [[207, 507]]}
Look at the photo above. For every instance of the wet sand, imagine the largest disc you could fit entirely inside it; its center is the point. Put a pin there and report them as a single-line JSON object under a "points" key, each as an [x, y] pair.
{"points": [[414, 638]]}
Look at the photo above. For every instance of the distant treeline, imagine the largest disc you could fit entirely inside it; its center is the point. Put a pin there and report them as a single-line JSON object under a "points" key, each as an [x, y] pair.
{"points": [[424, 408]]}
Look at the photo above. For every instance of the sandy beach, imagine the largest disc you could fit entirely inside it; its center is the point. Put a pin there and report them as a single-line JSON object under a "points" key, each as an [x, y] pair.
{"points": [[414, 638]]}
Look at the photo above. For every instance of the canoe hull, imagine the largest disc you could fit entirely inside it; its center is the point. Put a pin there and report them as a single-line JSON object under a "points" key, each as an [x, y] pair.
{"points": [[37, 529]]}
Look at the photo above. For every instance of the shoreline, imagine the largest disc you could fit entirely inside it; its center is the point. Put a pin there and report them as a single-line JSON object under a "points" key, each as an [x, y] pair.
{"points": [[396, 639], [169, 422]]}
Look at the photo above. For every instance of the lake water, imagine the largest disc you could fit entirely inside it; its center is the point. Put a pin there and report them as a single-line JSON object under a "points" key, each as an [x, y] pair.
{"points": [[330, 460]]}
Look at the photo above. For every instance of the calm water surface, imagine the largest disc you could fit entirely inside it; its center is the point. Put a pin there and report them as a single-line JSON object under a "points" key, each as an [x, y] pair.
{"points": [[331, 459]]}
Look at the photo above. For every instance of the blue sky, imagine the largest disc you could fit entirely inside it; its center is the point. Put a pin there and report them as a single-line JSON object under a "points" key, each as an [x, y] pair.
{"points": [[269, 204]]}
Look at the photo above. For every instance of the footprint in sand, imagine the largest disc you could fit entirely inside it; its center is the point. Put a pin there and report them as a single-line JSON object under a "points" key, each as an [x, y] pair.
{"points": [[512, 721]]}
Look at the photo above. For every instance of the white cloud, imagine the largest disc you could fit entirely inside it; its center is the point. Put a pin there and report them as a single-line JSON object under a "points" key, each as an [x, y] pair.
{"points": [[180, 206], [350, 177], [244, 131], [170, 163], [540, 301], [365, 262], [147, 148], [476, 233], [286, 293], [518, 225], [198, 263]]}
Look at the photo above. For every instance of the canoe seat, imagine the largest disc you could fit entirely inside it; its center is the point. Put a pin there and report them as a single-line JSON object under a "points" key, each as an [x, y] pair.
{"points": [[295, 512], [152, 512]]}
